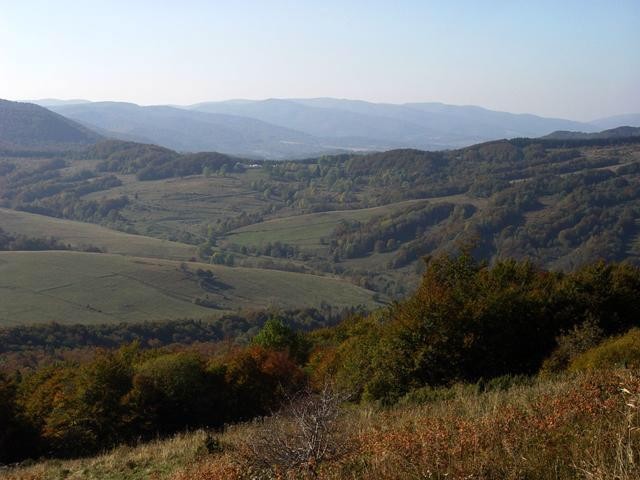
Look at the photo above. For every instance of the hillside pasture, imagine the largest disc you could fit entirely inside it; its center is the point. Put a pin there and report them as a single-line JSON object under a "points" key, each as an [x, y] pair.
{"points": [[74, 287], [307, 231], [163, 208], [80, 234]]}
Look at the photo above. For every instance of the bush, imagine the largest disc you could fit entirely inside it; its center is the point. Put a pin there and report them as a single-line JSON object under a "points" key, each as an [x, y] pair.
{"points": [[622, 351], [571, 344], [276, 335], [174, 391]]}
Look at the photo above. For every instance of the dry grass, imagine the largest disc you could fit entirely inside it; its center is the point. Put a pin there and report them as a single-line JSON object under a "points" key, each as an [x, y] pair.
{"points": [[582, 426], [577, 427], [153, 460]]}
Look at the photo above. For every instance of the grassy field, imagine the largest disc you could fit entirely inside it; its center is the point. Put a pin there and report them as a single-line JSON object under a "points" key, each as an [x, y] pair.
{"points": [[306, 231], [73, 287], [80, 233], [164, 207]]}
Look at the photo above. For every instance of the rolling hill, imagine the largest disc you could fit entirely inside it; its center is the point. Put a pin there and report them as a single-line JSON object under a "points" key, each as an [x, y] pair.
{"points": [[631, 119], [73, 287], [619, 132], [79, 234], [26, 126]]}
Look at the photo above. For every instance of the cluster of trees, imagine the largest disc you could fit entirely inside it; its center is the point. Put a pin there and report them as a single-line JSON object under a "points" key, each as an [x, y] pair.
{"points": [[13, 242], [386, 233], [224, 225], [275, 249], [17, 242], [44, 170], [207, 252], [76, 186], [239, 327], [128, 394], [468, 321], [150, 162], [44, 189], [104, 210], [191, 164]]}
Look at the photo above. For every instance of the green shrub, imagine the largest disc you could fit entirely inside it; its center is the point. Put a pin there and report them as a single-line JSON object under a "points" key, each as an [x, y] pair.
{"points": [[503, 382], [571, 344], [621, 351], [427, 394]]}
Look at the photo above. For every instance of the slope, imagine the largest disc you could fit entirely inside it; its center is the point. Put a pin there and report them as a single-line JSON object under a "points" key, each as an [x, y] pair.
{"points": [[613, 133], [29, 126], [73, 287], [80, 234]]}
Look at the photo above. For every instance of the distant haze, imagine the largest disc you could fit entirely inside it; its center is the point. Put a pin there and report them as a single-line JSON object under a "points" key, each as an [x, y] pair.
{"points": [[296, 128], [569, 59]]}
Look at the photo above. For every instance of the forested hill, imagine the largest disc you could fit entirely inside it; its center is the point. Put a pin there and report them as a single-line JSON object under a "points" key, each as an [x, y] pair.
{"points": [[619, 132], [26, 126]]}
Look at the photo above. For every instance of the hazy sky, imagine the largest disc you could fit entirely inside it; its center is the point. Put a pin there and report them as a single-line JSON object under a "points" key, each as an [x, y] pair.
{"points": [[574, 59]]}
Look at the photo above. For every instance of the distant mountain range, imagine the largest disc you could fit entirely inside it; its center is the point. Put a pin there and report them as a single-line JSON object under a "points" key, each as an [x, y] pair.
{"points": [[26, 126], [417, 125], [189, 130], [297, 128]]}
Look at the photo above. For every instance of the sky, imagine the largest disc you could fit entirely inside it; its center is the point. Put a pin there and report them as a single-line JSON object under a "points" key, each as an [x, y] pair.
{"points": [[564, 58]]}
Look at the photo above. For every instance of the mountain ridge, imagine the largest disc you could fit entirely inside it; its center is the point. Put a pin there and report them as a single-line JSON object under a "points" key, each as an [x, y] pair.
{"points": [[418, 125], [618, 132], [288, 128], [30, 126]]}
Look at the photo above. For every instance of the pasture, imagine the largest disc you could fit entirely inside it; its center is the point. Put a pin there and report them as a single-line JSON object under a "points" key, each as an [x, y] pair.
{"points": [[74, 287]]}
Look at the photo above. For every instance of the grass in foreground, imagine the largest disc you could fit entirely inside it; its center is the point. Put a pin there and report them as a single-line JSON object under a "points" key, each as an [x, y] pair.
{"points": [[154, 460], [575, 427], [582, 426]]}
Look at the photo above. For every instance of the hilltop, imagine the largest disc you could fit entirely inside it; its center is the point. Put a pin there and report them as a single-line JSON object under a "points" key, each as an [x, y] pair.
{"points": [[26, 126], [619, 132]]}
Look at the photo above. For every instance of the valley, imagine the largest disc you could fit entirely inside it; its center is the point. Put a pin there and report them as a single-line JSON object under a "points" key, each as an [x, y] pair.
{"points": [[367, 219], [320, 240]]}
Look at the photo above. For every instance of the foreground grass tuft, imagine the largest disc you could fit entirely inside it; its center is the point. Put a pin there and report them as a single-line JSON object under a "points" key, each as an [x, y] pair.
{"points": [[153, 460]]}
